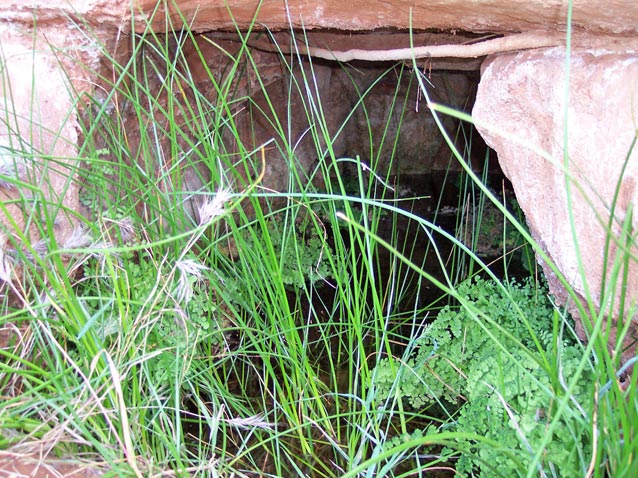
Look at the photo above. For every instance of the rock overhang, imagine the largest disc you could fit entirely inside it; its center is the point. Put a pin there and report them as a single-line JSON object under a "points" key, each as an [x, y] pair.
{"points": [[503, 16]]}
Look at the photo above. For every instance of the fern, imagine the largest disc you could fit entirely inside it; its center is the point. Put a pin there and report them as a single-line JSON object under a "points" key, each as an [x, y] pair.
{"points": [[495, 358], [452, 344]]}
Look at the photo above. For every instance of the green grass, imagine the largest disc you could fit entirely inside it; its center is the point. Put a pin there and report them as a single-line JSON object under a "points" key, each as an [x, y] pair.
{"points": [[200, 324]]}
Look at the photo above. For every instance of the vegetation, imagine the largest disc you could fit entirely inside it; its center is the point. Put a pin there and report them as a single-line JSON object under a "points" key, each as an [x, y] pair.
{"points": [[492, 361], [198, 324]]}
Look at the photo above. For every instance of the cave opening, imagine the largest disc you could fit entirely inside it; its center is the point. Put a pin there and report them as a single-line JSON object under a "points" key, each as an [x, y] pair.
{"points": [[284, 124], [206, 97]]}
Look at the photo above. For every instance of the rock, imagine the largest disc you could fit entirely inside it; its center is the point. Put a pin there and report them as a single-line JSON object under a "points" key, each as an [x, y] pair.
{"points": [[598, 16], [323, 99], [37, 140], [520, 107], [15, 464], [397, 116]]}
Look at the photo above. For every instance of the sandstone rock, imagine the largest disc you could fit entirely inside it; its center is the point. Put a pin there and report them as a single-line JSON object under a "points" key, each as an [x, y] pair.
{"points": [[37, 139], [49, 50], [390, 130], [485, 16], [295, 104], [524, 95], [64, 15], [16, 464]]}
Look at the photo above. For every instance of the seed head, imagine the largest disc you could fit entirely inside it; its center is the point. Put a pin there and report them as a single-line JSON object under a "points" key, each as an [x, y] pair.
{"points": [[6, 271], [212, 208], [190, 271]]}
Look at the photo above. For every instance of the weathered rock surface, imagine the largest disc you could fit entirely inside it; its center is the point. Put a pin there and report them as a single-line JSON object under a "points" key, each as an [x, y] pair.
{"points": [[598, 16], [37, 138], [391, 120], [49, 51], [521, 105], [63, 15]]}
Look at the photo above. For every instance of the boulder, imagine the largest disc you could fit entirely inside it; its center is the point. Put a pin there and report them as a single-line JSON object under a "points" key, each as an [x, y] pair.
{"points": [[38, 140], [570, 155]]}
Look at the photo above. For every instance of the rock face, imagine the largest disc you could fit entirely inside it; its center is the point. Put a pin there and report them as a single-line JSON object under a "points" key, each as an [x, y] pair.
{"points": [[35, 134], [598, 16], [522, 103], [47, 52]]}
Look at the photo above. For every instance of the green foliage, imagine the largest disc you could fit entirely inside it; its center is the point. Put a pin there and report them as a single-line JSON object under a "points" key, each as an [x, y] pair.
{"points": [[122, 358], [490, 358], [96, 173], [482, 226], [512, 400], [491, 234], [453, 343], [142, 291], [300, 253]]}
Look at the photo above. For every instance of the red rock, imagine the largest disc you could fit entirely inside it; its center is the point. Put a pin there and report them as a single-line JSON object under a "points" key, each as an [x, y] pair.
{"points": [[520, 105]]}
